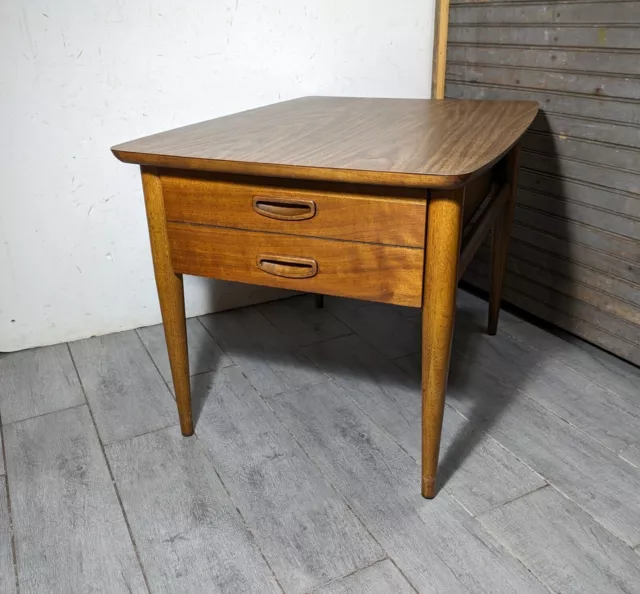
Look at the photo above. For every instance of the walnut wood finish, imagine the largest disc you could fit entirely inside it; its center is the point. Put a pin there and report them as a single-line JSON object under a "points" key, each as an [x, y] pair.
{"points": [[396, 142], [444, 232], [331, 214], [171, 295], [477, 232], [364, 271], [333, 196], [501, 236]]}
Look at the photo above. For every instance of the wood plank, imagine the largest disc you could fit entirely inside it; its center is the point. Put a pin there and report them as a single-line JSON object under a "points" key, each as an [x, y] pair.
{"points": [[381, 578], [573, 324], [575, 126], [189, 534], [36, 382], [625, 295], [620, 37], [564, 546], [597, 196], [271, 361], [301, 321], [383, 273], [587, 83], [379, 480], [611, 155], [556, 58], [624, 112], [126, 393], [589, 173], [625, 248], [7, 573], [204, 353], [2, 467], [384, 327], [596, 13], [304, 528], [607, 417], [574, 281], [392, 400], [393, 142], [70, 534], [570, 307], [613, 267], [567, 457], [566, 209], [601, 367]]}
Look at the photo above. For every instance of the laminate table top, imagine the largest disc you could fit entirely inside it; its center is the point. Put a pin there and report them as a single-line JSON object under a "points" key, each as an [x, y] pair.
{"points": [[400, 142]]}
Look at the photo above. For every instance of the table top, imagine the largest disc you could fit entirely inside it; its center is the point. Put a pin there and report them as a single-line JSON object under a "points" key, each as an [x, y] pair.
{"points": [[406, 142]]}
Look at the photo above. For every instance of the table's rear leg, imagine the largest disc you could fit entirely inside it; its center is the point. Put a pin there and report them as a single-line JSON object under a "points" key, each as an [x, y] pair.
{"points": [[444, 229], [500, 241], [171, 295]]}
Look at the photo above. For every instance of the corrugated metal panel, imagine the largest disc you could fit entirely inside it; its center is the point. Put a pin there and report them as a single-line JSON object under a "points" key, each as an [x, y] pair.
{"points": [[575, 254]]}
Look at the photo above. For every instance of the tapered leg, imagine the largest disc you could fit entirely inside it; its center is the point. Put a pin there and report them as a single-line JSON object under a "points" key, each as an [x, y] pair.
{"points": [[171, 295], [500, 247], [444, 230]]}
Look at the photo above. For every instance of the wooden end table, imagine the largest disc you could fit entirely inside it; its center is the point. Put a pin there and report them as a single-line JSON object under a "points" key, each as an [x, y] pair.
{"points": [[379, 199]]}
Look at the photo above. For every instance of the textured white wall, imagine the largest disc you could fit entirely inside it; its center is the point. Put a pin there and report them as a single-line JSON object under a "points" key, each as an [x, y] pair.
{"points": [[77, 76]]}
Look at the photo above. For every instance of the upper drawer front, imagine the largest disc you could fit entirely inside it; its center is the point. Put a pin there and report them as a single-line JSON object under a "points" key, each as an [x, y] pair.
{"points": [[355, 217], [384, 273]]}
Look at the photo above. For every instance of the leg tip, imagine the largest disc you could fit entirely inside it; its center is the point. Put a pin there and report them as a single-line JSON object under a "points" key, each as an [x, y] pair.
{"points": [[428, 487], [187, 430]]}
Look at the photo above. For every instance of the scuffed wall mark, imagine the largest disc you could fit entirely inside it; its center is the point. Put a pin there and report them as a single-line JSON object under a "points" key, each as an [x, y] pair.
{"points": [[76, 188], [89, 211], [12, 270], [79, 270], [25, 30]]}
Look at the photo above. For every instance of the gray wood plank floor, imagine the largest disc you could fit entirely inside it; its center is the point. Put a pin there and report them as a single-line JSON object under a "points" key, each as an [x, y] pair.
{"points": [[303, 475]]}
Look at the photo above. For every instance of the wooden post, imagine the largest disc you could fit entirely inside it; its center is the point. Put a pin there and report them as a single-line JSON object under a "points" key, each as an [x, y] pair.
{"points": [[440, 35]]}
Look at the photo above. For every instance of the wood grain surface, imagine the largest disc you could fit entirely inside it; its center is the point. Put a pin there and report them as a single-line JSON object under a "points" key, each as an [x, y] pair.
{"points": [[36, 382], [71, 535], [366, 271], [306, 531], [392, 220], [403, 142], [189, 534]]}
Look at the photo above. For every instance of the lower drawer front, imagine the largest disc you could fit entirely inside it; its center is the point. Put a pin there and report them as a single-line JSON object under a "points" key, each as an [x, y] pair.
{"points": [[365, 271]]}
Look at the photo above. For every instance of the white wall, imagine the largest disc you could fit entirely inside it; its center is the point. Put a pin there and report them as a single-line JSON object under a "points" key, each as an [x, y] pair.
{"points": [[78, 76]]}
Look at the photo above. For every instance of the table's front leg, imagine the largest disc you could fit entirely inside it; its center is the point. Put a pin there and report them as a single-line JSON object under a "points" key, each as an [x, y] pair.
{"points": [[444, 231], [171, 295]]}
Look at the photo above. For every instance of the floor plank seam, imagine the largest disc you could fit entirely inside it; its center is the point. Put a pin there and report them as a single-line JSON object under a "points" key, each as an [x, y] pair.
{"points": [[51, 412], [324, 477], [243, 520], [146, 350], [521, 496], [627, 461], [112, 478], [620, 538], [13, 534]]}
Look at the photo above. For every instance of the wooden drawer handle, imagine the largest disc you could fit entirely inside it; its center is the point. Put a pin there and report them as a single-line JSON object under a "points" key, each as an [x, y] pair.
{"points": [[288, 266], [284, 209]]}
